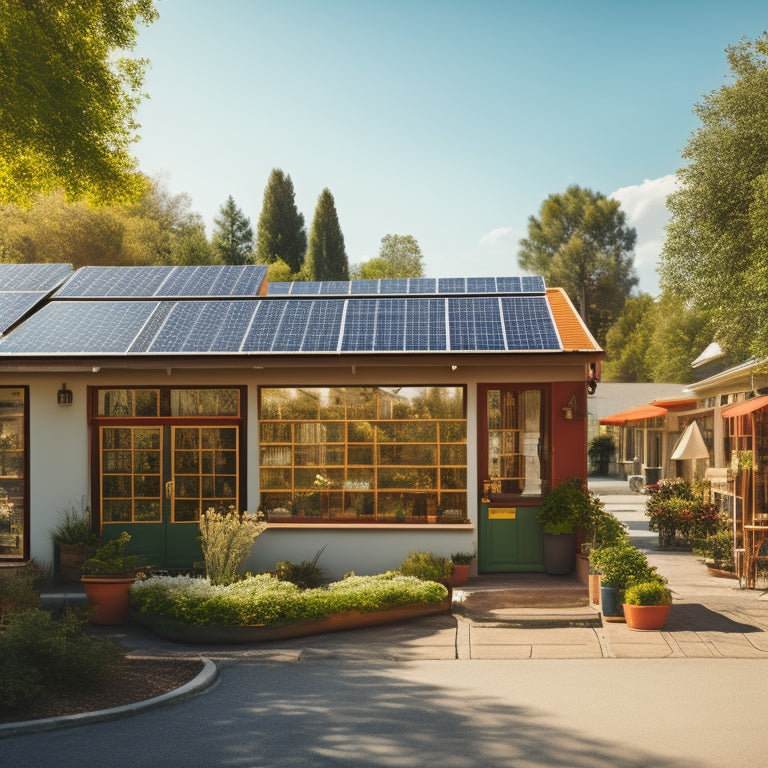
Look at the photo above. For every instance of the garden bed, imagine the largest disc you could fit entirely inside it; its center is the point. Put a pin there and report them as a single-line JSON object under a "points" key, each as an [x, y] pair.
{"points": [[181, 632]]}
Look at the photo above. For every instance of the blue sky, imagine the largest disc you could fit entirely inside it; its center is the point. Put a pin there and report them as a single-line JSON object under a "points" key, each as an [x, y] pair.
{"points": [[449, 121]]}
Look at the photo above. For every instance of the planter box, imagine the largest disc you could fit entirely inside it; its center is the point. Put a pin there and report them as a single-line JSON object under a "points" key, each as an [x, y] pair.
{"points": [[646, 617], [173, 629]]}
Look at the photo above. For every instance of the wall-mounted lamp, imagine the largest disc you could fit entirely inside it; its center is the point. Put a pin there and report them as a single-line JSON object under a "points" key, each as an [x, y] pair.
{"points": [[64, 395], [454, 367], [569, 410]]}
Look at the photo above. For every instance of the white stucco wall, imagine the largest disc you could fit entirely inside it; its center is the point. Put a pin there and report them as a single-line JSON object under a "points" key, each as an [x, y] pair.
{"points": [[60, 449]]}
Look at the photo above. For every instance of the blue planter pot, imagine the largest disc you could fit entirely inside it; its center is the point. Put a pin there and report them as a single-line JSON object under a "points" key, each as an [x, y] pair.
{"points": [[610, 602]]}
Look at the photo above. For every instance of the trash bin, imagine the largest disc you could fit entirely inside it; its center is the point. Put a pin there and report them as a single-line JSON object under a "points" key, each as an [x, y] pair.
{"points": [[652, 475]]}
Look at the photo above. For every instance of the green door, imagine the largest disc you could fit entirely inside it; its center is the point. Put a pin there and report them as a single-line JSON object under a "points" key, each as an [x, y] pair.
{"points": [[156, 481], [512, 466]]}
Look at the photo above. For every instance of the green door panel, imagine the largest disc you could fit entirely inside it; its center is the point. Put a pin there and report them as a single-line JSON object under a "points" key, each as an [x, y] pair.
{"points": [[509, 542]]}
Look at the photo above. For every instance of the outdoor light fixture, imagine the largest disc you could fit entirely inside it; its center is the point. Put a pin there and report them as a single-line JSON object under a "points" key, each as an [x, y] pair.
{"points": [[64, 395], [569, 410]]}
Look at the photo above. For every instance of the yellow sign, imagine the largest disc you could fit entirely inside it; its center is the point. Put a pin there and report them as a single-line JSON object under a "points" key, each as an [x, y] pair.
{"points": [[502, 513]]}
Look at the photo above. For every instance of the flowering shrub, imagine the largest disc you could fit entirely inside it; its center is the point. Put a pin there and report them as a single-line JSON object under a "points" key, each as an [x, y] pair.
{"points": [[265, 600], [678, 512], [226, 541]]}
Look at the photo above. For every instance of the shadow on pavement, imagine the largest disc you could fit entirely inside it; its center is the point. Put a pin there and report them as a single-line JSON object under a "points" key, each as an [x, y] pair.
{"points": [[694, 617]]}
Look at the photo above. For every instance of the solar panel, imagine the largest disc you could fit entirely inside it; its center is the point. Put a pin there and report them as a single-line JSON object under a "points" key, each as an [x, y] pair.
{"points": [[529, 324], [425, 325], [481, 285], [390, 325], [69, 327], [324, 326], [452, 285], [533, 284], [33, 277], [422, 285], [163, 281], [397, 285], [475, 324], [279, 289], [13, 306], [509, 284], [334, 288], [293, 326], [359, 287], [266, 319], [359, 325], [305, 289]]}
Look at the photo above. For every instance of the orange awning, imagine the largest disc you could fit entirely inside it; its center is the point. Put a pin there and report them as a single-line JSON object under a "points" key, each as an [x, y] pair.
{"points": [[748, 406], [639, 413]]}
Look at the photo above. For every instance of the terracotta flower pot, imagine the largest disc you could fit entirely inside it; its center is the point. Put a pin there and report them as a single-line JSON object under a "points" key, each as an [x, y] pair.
{"points": [[645, 616], [460, 575], [109, 595]]}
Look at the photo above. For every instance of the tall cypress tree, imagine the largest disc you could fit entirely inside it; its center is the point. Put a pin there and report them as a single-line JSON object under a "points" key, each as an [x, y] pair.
{"points": [[326, 257], [281, 233], [232, 239]]}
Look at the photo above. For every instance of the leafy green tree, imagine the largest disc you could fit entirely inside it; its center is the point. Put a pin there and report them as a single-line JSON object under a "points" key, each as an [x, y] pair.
{"points": [[280, 232], [628, 341], [581, 243], [715, 257], [326, 257], [399, 256], [157, 229], [233, 237], [67, 99]]}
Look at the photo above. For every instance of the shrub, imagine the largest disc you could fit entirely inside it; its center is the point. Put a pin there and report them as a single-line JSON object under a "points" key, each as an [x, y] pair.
{"points": [[265, 600], [600, 452], [226, 540], [17, 591], [110, 558], [653, 592], [74, 526], [462, 558], [678, 512], [305, 575], [621, 565], [717, 548], [601, 528], [566, 507], [39, 654], [426, 566]]}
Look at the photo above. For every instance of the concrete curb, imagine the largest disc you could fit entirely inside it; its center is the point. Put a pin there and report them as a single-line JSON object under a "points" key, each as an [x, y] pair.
{"points": [[204, 680]]}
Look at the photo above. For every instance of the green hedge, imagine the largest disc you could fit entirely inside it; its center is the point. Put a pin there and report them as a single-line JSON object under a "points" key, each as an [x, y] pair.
{"points": [[265, 600]]}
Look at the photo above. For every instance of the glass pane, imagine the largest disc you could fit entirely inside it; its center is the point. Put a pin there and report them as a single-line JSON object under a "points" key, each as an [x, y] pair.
{"points": [[146, 510], [146, 438], [186, 487], [113, 486], [114, 511], [275, 433], [219, 438], [360, 454], [116, 461], [186, 462], [147, 461], [186, 511], [146, 485], [186, 438], [453, 454], [12, 453], [116, 437], [147, 402]]}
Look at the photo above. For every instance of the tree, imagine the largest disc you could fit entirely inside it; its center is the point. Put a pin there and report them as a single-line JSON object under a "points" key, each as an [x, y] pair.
{"points": [[581, 243], [628, 341], [280, 233], [715, 257], [67, 99], [326, 257], [232, 238], [399, 256]]}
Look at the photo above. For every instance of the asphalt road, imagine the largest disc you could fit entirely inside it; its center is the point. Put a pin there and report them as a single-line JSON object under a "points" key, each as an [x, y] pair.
{"points": [[326, 711]]}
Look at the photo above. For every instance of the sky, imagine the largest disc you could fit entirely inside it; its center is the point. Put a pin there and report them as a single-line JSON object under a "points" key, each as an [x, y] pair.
{"points": [[449, 121]]}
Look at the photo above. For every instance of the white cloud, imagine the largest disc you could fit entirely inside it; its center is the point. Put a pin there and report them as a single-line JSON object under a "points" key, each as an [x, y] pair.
{"points": [[646, 209], [503, 240]]}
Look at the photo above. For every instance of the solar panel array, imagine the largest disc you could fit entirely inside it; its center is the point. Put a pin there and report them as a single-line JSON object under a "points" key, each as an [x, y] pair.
{"points": [[168, 311], [406, 286], [163, 282], [24, 286]]}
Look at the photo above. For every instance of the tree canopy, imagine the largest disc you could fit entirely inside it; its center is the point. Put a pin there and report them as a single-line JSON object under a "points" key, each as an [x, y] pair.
{"points": [[399, 256], [232, 238], [326, 257], [280, 232], [715, 257], [67, 99], [581, 243]]}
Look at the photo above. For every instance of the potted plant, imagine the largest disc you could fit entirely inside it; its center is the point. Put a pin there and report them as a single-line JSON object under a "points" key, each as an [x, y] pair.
{"points": [[461, 564], [74, 539], [619, 565], [646, 604], [565, 509], [107, 578]]}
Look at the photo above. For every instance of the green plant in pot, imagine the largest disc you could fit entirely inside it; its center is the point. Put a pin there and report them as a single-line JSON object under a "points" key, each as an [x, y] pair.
{"points": [[565, 509], [107, 578], [461, 565], [75, 540], [646, 604], [619, 566]]}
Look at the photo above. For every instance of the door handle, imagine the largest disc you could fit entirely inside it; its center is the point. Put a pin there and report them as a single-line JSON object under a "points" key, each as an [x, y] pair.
{"points": [[169, 489]]}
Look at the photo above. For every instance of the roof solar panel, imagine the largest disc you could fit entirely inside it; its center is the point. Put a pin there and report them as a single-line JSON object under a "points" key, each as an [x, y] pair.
{"points": [[33, 277], [509, 284], [113, 282], [422, 285], [300, 288], [13, 306], [389, 334], [475, 324], [388, 285], [529, 324], [359, 325], [279, 289], [71, 327], [264, 324], [324, 326], [533, 284], [425, 325], [293, 327], [481, 285], [334, 288], [362, 287], [452, 285]]}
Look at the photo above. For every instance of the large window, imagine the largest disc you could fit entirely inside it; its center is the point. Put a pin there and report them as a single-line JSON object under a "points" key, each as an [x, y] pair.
{"points": [[364, 454], [12, 473]]}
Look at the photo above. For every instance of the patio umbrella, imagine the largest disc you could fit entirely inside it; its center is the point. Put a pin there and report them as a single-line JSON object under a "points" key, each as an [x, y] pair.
{"points": [[690, 445]]}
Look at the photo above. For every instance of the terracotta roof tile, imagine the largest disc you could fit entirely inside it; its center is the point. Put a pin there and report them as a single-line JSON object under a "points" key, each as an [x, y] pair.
{"points": [[573, 332]]}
